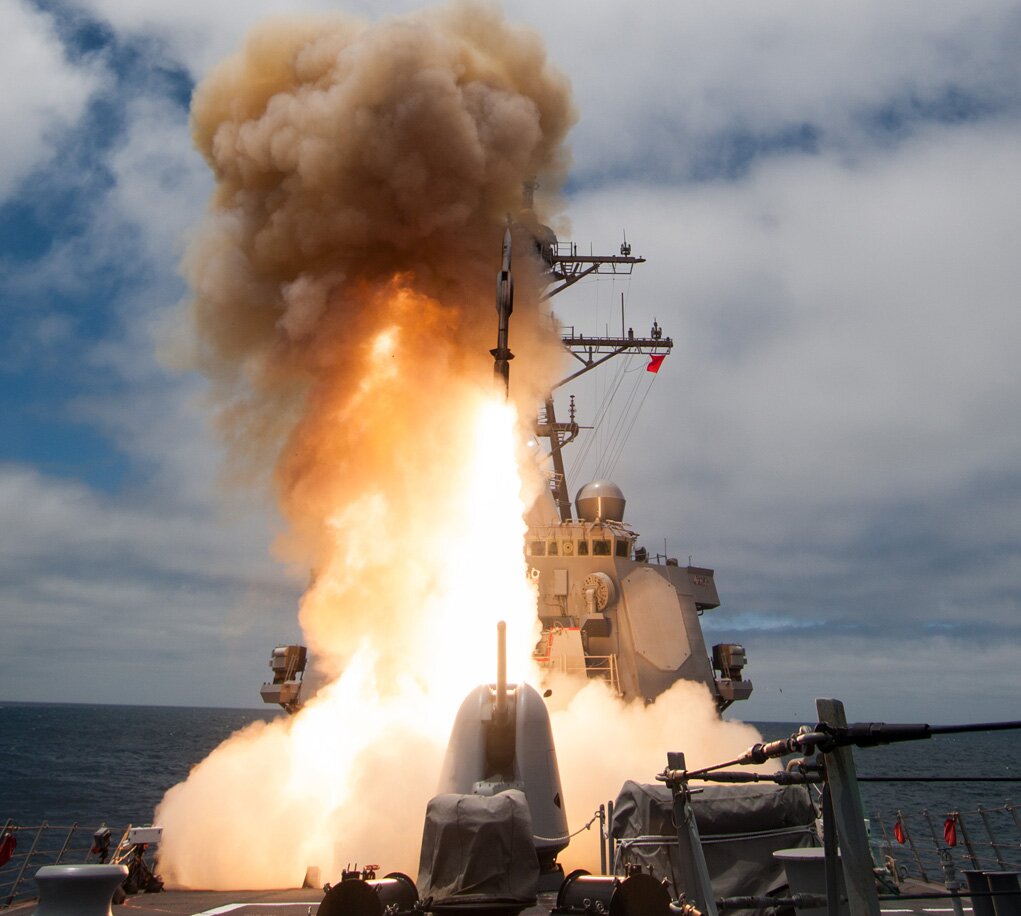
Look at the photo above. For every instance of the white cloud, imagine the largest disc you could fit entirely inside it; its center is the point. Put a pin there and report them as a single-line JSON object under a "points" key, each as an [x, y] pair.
{"points": [[836, 430], [95, 586], [44, 92], [161, 182], [667, 87], [662, 85], [200, 34]]}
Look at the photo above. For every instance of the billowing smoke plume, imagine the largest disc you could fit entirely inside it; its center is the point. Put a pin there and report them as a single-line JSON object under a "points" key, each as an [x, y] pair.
{"points": [[344, 300], [344, 288], [344, 282]]}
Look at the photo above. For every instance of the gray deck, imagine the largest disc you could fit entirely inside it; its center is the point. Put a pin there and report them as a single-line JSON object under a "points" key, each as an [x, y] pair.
{"points": [[303, 901], [294, 902]]}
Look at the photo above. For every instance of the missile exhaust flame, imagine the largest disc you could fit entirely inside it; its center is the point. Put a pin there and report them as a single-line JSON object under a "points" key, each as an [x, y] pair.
{"points": [[342, 304]]}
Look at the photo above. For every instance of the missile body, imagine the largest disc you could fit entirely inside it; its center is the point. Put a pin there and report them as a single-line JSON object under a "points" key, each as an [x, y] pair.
{"points": [[504, 306]]}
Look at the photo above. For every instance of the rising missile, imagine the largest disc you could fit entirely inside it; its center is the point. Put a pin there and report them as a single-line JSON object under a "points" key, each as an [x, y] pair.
{"points": [[504, 306]]}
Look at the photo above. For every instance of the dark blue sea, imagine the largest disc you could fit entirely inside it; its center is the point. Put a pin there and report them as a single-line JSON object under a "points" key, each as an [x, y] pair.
{"points": [[67, 764], [71, 763]]}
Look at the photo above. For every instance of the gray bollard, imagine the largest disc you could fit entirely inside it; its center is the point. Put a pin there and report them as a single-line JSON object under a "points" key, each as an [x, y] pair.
{"points": [[78, 890]]}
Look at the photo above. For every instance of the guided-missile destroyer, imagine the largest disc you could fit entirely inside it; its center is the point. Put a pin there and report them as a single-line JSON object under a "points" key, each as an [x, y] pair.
{"points": [[609, 609]]}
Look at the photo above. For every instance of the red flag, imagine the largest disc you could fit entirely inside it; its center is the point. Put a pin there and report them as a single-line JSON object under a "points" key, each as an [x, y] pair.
{"points": [[8, 844], [655, 361], [950, 830], [898, 832]]}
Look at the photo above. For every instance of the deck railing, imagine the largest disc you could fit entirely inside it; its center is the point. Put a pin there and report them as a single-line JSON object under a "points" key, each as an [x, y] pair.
{"points": [[603, 667], [916, 845], [38, 845]]}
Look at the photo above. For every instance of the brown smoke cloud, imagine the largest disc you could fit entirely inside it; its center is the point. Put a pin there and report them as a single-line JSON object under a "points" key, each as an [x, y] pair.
{"points": [[344, 280]]}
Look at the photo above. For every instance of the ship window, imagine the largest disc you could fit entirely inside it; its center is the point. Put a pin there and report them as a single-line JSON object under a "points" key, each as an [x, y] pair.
{"points": [[537, 549], [583, 548], [601, 548], [622, 548], [551, 550]]}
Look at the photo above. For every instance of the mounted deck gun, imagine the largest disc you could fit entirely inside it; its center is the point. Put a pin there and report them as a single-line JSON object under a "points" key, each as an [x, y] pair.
{"points": [[499, 798]]}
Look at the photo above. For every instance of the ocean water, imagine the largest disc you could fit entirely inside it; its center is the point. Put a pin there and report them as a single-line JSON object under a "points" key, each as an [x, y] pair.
{"points": [[71, 763], [67, 764], [968, 755]]}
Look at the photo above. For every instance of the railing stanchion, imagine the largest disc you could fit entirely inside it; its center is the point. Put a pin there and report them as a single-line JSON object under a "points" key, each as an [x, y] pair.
{"points": [[911, 845], [602, 839], [992, 839], [24, 864], [888, 847], [67, 842], [1012, 808], [611, 845], [967, 840], [935, 838]]}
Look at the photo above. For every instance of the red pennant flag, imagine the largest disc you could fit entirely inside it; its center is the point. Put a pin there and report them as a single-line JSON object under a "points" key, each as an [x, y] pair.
{"points": [[898, 832], [655, 361], [950, 830], [7, 846]]}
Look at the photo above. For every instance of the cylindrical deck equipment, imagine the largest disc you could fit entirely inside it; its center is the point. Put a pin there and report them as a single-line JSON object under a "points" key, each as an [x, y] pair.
{"points": [[78, 890]]}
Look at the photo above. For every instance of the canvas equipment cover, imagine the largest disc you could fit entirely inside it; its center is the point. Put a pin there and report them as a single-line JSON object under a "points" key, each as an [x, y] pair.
{"points": [[478, 847], [740, 828]]}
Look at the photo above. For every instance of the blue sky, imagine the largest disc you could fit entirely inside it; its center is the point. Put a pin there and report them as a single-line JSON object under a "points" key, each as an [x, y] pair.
{"points": [[828, 201]]}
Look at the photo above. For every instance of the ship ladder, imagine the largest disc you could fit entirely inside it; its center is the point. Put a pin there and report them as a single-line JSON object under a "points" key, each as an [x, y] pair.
{"points": [[605, 667]]}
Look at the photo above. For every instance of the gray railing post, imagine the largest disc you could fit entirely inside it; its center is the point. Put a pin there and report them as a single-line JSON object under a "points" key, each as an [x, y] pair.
{"points": [[611, 843], [911, 845], [859, 879], [967, 840], [67, 842], [24, 865], [888, 847], [992, 839], [932, 828], [602, 839]]}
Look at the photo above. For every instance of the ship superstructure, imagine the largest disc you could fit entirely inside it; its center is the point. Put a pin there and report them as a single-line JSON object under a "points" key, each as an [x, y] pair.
{"points": [[608, 609]]}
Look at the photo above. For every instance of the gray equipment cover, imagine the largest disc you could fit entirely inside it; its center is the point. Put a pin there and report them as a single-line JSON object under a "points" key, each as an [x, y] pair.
{"points": [[477, 847], [740, 827]]}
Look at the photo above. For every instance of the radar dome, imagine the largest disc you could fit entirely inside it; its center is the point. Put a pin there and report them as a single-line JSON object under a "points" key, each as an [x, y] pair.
{"points": [[601, 499]]}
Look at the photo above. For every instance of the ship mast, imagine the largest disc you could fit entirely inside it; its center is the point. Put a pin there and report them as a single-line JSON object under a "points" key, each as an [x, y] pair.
{"points": [[567, 267]]}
